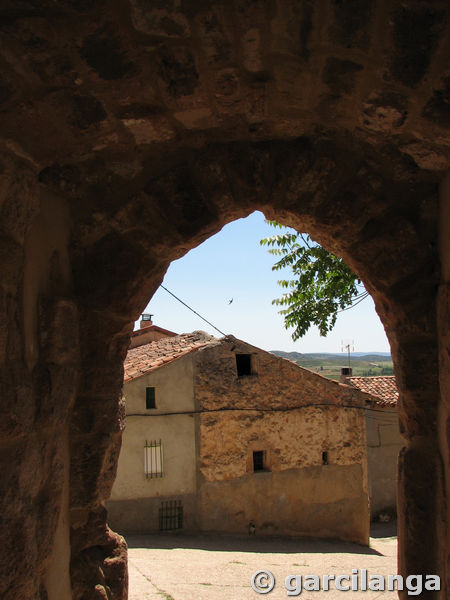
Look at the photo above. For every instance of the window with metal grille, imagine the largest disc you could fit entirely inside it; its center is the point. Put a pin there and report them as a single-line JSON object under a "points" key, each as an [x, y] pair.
{"points": [[258, 460], [150, 397], [153, 459], [170, 515], [244, 364]]}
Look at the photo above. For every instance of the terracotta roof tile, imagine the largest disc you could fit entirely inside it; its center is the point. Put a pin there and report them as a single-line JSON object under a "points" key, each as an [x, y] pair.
{"points": [[146, 358], [383, 388]]}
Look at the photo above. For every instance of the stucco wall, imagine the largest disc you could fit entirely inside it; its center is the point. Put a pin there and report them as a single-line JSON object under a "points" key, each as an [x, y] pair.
{"points": [[130, 507], [383, 445], [294, 416], [141, 515], [313, 501], [174, 389], [177, 434]]}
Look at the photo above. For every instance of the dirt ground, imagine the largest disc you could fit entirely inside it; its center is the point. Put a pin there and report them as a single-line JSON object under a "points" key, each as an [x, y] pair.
{"points": [[181, 567]]}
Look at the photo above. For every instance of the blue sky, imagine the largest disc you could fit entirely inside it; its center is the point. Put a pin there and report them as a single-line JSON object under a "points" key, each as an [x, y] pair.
{"points": [[232, 264]]}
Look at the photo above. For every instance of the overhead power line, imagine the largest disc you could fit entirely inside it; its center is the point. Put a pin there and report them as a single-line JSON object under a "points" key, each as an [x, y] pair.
{"points": [[191, 309], [358, 299]]}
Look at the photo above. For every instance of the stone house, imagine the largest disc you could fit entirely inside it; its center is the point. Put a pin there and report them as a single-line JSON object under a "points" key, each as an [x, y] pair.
{"points": [[222, 436], [383, 440]]}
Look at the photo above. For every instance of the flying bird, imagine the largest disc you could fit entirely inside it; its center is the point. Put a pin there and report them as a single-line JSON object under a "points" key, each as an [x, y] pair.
{"points": [[230, 301]]}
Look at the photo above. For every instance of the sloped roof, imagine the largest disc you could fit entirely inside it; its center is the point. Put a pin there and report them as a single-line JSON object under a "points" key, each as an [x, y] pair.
{"points": [[383, 388], [143, 359]]}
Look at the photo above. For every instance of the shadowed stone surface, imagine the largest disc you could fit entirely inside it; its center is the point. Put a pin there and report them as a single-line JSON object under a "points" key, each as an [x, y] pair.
{"points": [[130, 132]]}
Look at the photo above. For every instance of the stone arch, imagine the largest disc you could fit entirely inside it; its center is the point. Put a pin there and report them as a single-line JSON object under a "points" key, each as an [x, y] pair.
{"points": [[365, 216], [131, 134]]}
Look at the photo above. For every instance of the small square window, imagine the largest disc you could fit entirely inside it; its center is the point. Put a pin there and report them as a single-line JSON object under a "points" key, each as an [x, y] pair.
{"points": [[244, 364], [150, 398], [258, 460]]}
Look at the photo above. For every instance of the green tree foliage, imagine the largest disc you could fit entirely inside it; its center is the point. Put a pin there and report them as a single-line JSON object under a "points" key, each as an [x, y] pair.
{"points": [[379, 371], [323, 284]]}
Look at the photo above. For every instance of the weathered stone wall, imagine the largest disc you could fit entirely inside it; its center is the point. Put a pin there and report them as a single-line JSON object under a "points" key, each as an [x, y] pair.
{"points": [[443, 324], [39, 374], [293, 416], [153, 126]]}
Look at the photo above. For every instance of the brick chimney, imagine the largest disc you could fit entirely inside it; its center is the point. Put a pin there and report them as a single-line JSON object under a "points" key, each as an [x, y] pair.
{"points": [[146, 320], [345, 372]]}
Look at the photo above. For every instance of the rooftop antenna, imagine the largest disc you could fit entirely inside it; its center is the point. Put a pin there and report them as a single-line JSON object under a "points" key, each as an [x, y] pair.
{"points": [[347, 346]]}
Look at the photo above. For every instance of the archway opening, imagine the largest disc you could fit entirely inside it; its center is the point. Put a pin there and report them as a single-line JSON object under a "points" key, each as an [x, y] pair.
{"points": [[229, 280], [172, 509], [350, 205]]}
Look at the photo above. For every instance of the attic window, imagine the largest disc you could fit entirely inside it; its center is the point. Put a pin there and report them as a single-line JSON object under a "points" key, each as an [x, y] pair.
{"points": [[244, 364], [258, 460], [150, 398]]}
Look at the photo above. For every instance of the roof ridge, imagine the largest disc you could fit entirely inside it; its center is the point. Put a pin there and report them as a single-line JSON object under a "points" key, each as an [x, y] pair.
{"points": [[147, 357], [369, 376]]}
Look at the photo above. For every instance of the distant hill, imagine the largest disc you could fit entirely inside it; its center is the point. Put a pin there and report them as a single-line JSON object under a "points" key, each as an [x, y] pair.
{"points": [[289, 355], [369, 356], [329, 364]]}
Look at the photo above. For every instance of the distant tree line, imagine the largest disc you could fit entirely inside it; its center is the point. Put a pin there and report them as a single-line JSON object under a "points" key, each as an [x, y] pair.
{"points": [[378, 371]]}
